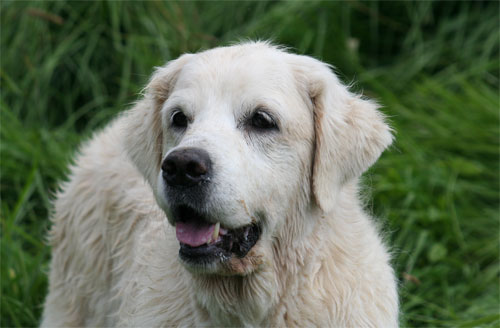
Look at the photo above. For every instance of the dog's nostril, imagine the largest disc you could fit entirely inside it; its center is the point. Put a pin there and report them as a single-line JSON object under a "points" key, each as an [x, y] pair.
{"points": [[186, 167], [196, 169], [169, 167]]}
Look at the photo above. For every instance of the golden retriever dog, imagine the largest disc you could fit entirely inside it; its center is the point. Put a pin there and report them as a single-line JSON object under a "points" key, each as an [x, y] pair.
{"points": [[227, 196]]}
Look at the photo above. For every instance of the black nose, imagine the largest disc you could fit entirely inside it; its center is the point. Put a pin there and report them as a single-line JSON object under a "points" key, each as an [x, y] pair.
{"points": [[186, 167]]}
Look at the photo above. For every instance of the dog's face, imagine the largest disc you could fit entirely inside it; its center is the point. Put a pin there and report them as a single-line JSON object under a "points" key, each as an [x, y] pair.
{"points": [[237, 147], [249, 135]]}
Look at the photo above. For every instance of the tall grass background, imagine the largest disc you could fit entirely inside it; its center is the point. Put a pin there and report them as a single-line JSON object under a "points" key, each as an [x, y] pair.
{"points": [[68, 67]]}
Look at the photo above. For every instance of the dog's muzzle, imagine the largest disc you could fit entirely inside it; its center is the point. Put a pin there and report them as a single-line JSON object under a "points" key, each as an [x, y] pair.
{"points": [[187, 173]]}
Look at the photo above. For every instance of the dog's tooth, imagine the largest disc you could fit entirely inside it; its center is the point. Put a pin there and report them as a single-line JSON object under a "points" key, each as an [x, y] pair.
{"points": [[215, 235]]}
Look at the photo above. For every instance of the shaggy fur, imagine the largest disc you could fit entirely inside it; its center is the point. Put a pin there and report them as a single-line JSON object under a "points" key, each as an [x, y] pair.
{"points": [[319, 260]]}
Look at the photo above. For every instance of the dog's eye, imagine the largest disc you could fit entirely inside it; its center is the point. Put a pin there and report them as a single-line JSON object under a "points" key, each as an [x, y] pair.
{"points": [[262, 121], [179, 120]]}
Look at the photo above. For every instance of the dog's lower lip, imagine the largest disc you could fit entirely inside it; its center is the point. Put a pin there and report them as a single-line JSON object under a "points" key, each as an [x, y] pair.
{"points": [[198, 243], [237, 241], [237, 244]]}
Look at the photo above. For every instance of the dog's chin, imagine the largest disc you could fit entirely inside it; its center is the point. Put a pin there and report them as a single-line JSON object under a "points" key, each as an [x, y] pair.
{"points": [[231, 265], [210, 248]]}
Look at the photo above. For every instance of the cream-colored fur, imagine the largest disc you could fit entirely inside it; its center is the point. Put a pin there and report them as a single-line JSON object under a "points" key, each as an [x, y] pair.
{"points": [[319, 261]]}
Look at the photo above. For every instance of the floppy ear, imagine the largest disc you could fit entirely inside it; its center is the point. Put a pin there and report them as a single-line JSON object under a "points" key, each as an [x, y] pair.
{"points": [[143, 125], [350, 133]]}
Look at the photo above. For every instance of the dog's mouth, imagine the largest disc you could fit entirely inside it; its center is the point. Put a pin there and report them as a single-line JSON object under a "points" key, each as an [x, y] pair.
{"points": [[202, 241]]}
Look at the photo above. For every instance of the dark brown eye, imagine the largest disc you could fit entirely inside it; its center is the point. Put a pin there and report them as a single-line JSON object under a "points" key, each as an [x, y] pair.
{"points": [[261, 120], [179, 120]]}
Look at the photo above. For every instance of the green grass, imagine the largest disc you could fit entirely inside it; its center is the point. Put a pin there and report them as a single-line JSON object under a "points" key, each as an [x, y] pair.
{"points": [[68, 67]]}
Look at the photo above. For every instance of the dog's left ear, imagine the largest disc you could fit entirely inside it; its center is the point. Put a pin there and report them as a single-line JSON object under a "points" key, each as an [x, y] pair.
{"points": [[350, 133], [143, 122]]}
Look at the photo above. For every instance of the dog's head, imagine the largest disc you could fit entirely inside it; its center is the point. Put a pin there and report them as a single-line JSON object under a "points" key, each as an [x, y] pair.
{"points": [[236, 140]]}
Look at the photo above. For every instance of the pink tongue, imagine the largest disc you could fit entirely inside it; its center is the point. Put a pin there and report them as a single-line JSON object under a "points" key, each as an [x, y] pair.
{"points": [[194, 234]]}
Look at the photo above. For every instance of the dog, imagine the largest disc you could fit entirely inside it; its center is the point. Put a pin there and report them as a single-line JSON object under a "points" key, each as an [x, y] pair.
{"points": [[227, 196]]}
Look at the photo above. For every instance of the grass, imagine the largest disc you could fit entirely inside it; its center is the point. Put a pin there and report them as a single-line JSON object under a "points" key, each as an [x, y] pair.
{"points": [[68, 67]]}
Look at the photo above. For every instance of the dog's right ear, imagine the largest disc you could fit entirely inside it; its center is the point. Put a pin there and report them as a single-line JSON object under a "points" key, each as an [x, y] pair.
{"points": [[350, 133], [143, 138]]}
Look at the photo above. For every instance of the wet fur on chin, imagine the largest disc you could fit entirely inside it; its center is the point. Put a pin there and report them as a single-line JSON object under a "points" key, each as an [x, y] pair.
{"points": [[234, 266]]}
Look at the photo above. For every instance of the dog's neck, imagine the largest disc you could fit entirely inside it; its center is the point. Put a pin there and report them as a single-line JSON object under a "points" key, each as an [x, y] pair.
{"points": [[235, 300]]}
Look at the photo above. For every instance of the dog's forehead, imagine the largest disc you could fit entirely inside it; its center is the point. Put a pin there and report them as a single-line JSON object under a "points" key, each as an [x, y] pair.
{"points": [[229, 73]]}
